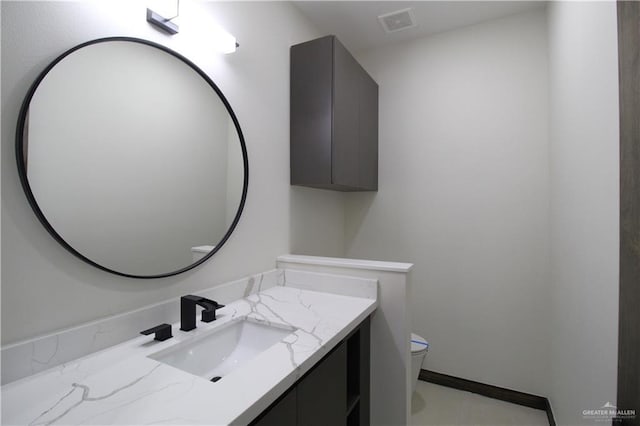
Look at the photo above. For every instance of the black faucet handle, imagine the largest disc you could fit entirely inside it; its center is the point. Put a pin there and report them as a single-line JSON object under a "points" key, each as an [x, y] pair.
{"points": [[208, 303], [209, 311], [162, 332], [188, 310]]}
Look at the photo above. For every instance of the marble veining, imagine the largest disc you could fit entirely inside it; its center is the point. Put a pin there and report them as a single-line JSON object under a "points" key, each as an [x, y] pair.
{"points": [[30, 357], [84, 397], [390, 326], [122, 385]]}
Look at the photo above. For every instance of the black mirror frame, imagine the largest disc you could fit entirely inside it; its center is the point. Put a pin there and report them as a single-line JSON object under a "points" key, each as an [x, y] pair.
{"points": [[22, 172]]}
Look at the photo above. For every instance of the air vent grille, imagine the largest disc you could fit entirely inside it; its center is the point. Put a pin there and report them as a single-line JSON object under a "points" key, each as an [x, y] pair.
{"points": [[398, 20]]}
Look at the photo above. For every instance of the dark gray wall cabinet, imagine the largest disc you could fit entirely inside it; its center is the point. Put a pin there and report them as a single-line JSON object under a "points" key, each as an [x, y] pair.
{"points": [[334, 118], [335, 392]]}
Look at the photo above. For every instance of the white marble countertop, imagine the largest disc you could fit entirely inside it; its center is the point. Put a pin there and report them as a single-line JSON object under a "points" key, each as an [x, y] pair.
{"points": [[121, 385]]}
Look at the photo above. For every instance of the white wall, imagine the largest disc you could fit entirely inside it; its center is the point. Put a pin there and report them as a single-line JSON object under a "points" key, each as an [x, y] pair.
{"points": [[44, 288], [464, 195], [584, 206]]}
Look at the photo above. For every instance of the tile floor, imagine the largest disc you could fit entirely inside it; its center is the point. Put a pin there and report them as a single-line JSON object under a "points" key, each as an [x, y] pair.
{"points": [[439, 405]]}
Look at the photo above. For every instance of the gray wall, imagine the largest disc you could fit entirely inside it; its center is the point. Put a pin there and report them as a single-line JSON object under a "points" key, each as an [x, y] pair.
{"points": [[44, 288]]}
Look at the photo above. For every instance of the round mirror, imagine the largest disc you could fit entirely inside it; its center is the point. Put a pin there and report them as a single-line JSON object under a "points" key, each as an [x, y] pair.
{"points": [[132, 158]]}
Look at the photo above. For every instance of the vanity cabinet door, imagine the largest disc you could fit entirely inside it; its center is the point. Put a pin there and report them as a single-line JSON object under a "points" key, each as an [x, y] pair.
{"points": [[333, 393], [281, 413], [322, 393]]}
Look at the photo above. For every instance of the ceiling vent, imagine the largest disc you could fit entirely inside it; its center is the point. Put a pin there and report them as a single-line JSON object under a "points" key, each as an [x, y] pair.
{"points": [[398, 20]]}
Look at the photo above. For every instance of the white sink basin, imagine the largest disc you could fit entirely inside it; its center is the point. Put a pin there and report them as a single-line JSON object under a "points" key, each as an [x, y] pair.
{"points": [[216, 354]]}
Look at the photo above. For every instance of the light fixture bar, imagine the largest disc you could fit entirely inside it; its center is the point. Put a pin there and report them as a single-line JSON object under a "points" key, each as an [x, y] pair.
{"points": [[161, 22]]}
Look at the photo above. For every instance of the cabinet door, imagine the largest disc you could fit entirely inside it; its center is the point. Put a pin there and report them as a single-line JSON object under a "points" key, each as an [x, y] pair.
{"points": [[365, 372], [368, 133], [322, 394], [346, 92], [311, 106], [281, 413]]}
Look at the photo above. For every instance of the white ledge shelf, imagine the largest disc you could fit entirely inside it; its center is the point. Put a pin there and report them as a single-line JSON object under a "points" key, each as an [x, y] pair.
{"points": [[339, 262]]}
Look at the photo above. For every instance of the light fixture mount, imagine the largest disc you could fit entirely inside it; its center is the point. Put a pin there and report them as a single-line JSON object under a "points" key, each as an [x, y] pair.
{"points": [[161, 22]]}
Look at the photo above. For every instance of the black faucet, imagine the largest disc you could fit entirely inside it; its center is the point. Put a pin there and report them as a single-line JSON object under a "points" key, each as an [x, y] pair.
{"points": [[162, 332], [188, 311]]}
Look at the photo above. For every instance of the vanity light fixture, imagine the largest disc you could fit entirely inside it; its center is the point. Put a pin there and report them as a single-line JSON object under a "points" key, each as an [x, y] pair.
{"points": [[163, 23], [198, 30], [221, 41]]}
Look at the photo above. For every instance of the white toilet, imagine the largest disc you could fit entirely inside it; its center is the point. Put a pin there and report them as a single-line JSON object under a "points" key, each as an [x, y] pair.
{"points": [[419, 348]]}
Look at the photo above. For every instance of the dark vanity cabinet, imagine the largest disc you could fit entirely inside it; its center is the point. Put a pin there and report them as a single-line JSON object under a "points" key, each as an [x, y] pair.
{"points": [[334, 118], [322, 395], [334, 392], [283, 412]]}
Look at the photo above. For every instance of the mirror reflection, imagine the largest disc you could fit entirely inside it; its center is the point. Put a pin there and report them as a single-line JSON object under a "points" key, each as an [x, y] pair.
{"points": [[133, 158]]}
